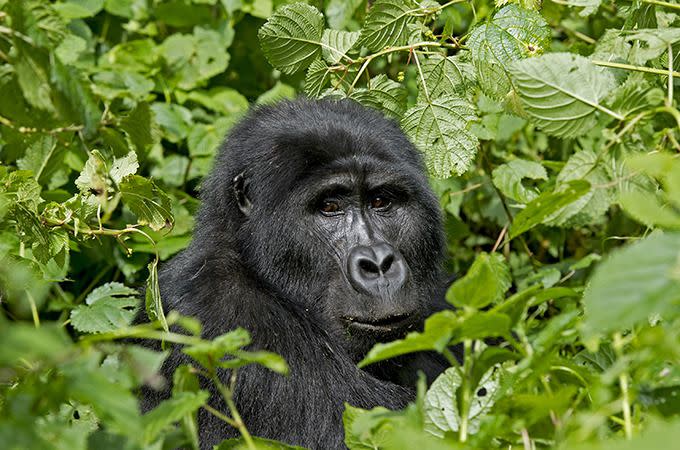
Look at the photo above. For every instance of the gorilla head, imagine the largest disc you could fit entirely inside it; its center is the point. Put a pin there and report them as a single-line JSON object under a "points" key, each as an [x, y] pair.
{"points": [[326, 204]]}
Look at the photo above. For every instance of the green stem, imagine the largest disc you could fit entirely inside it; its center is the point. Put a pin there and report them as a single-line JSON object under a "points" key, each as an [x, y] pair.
{"points": [[465, 392], [661, 3], [645, 69], [623, 384], [236, 417]]}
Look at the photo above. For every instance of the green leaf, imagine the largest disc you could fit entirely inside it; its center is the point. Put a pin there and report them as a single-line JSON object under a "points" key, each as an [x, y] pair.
{"points": [[44, 158], [339, 12], [291, 38], [632, 284], [318, 77], [222, 100], [93, 179], [153, 303], [270, 360], [175, 120], [512, 34], [24, 343], [107, 314], [140, 127], [386, 24], [170, 411], [445, 75], [439, 129], [337, 43], [508, 179], [122, 167], [438, 330], [486, 282], [208, 353], [547, 204], [147, 201], [561, 92], [650, 209], [441, 408], [110, 291], [383, 94], [79, 9], [591, 208]]}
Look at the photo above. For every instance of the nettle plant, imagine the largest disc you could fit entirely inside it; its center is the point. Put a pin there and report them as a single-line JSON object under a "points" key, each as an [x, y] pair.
{"points": [[551, 133]]}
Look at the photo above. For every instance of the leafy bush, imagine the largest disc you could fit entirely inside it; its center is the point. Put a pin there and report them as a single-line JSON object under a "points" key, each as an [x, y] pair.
{"points": [[550, 131]]}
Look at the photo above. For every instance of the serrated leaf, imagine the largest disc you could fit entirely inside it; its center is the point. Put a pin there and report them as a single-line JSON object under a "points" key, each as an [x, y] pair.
{"points": [[560, 92], [650, 209], [383, 94], [583, 165], [291, 38], [122, 167], [546, 204], [486, 282], [107, 314], [148, 202], [43, 157], [439, 129], [141, 127], [512, 34], [318, 77], [336, 44], [110, 291], [445, 75], [633, 283], [589, 6], [208, 353], [386, 24], [508, 179], [93, 179], [170, 411]]}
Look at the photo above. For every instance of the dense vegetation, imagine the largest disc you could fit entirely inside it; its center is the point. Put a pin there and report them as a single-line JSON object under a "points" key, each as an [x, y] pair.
{"points": [[551, 131]]}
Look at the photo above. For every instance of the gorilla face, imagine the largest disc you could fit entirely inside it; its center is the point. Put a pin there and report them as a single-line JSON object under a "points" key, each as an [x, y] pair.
{"points": [[338, 218]]}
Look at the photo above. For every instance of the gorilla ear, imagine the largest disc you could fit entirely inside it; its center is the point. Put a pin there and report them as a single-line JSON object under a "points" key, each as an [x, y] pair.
{"points": [[241, 193]]}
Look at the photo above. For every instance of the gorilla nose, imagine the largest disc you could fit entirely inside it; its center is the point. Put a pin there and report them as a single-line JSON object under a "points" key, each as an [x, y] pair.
{"points": [[376, 269]]}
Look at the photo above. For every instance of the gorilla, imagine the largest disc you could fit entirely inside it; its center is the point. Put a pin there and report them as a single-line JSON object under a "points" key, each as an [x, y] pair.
{"points": [[319, 235]]}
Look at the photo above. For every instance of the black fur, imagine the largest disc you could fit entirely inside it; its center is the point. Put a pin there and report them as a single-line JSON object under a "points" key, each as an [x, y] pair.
{"points": [[264, 258]]}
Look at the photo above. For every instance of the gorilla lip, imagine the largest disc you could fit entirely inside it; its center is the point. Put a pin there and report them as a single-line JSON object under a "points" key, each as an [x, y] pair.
{"points": [[384, 324]]}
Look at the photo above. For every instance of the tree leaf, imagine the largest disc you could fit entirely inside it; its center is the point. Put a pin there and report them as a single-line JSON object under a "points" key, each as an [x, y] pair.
{"points": [[170, 411], [106, 314], [445, 75], [291, 38], [337, 43], [508, 179], [318, 77], [386, 24], [383, 94], [148, 202], [486, 282], [439, 129], [633, 283], [546, 204], [561, 92]]}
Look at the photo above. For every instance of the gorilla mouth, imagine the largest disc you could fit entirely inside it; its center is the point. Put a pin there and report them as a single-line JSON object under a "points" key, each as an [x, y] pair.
{"points": [[383, 324]]}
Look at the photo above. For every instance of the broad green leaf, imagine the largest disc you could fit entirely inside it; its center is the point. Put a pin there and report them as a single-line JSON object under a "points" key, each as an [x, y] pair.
{"points": [[44, 158], [445, 75], [93, 178], [170, 411], [439, 129], [110, 291], [589, 6], [280, 91], [318, 77], [79, 9], [632, 284], [223, 100], [122, 167], [23, 343], [547, 204], [336, 44], [512, 34], [561, 92], [291, 38], [438, 330], [591, 208], [150, 204], [508, 179], [654, 42], [203, 140], [70, 48], [339, 12], [486, 282], [441, 410], [175, 120], [107, 314], [383, 94], [386, 24], [141, 127]]}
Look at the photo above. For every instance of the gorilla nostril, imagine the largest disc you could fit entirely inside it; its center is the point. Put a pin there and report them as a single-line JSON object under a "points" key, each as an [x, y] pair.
{"points": [[368, 266], [387, 263]]}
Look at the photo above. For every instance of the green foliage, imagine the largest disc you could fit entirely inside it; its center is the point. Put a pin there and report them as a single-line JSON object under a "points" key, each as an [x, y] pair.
{"points": [[550, 130]]}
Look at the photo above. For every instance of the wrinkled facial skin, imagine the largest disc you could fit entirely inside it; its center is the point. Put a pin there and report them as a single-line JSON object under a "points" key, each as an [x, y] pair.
{"points": [[364, 237]]}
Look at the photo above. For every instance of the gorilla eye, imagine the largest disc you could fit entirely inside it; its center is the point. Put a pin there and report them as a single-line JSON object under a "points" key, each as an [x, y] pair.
{"points": [[380, 203], [330, 207]]}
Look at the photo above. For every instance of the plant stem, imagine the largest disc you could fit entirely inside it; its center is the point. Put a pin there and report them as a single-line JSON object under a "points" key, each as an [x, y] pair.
{"points": [[614, 65], [661, 3], [465, 392], [623, 384], [236, 417]]}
